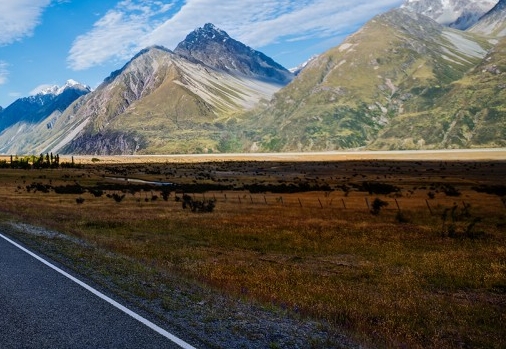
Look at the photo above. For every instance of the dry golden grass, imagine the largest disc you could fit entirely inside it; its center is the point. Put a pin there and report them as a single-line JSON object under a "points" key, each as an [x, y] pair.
{"points": [[398, 278]]}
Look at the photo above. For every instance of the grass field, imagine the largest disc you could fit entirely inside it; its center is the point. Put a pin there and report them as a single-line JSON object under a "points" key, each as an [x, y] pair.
{"points": [[395, 252]]}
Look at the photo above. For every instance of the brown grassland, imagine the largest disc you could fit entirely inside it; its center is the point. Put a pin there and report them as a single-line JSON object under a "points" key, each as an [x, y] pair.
{"points": [[394, 252]]}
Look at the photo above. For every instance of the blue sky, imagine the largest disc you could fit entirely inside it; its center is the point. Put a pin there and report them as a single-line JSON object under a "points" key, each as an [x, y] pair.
{"points": [[46, 42]]}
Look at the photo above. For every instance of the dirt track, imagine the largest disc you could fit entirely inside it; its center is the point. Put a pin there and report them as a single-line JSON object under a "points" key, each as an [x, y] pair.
{"points": [[459, 155], [497, 154]]}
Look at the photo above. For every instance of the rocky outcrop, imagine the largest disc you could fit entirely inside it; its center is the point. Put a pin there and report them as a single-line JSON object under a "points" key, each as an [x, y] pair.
{"points": [[214, 48]]}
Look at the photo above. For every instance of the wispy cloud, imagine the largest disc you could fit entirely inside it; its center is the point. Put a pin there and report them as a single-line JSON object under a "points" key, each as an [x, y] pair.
{"points": [[19, 18], [117, 34], [3, 72], [134, 25]]}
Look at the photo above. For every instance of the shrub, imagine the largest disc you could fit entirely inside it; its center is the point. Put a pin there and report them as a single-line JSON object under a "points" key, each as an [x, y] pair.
{"points": [[376, 206], [118, 197], [379, 188], [197, 205]]}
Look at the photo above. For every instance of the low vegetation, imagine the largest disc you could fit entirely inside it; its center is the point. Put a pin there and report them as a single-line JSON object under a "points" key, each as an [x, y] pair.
{"points": [[393, 253]]}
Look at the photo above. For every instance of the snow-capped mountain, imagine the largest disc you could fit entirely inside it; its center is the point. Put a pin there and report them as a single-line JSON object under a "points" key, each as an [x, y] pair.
{"points": [[37, 107], [458, 14], [57, 90], [296, 70], [493, 23]]}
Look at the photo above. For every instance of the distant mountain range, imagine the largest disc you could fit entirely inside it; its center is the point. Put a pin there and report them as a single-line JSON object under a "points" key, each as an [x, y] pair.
{"points": [[428, 75], [458, 14]]}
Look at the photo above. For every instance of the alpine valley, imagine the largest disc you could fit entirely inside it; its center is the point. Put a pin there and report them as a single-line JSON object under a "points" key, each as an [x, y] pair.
{"points": [[428, 75]]}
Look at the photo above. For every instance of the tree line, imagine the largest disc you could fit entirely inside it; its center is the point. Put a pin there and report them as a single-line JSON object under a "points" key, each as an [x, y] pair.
{"points": [[36, 162]]}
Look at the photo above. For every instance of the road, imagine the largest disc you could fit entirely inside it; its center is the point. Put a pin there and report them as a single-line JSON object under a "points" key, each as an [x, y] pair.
{"points": [[41, 306]]}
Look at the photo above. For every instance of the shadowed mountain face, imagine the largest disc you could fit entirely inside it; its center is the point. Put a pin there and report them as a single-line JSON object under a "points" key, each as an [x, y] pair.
{"points": [[493, 23], [38, 112]]}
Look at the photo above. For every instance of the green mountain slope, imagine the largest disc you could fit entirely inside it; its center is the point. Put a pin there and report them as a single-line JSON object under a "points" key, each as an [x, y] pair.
{"points": [[400, 62], [471, 114]]}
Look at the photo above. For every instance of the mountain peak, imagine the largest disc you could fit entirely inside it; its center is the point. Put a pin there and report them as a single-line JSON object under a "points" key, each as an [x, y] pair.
{"points": [[211, 31], [215, 48], [57, 90]]}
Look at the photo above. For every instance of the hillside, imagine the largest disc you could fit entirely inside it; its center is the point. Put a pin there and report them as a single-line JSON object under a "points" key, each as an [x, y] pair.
{"points": [[471, 114], [400, 62]]}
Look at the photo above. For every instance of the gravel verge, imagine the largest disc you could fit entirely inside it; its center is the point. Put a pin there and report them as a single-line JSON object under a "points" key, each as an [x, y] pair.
{"points": [[204, 317]]}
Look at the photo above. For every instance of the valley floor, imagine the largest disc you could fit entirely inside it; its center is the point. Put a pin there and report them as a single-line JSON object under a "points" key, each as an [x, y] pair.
{"points": [[391, 249]]}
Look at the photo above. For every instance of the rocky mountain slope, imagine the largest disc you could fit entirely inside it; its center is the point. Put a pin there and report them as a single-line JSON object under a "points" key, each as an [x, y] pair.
{"points": [[458, 14], [400, 62], [213, 47], [493, 23]]}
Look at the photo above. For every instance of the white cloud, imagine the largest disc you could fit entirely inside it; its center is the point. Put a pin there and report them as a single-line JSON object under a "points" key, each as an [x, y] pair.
{"points": [[117, 34], [132, 25], [39, 89], [19, 18], [3, 72]]}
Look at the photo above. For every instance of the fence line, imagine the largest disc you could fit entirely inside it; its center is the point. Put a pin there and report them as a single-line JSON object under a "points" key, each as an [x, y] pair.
{"points": [[358, 202]]}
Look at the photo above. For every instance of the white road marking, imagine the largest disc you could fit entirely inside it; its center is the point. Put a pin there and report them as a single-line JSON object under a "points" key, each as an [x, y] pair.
{"points": [[124, 309]]}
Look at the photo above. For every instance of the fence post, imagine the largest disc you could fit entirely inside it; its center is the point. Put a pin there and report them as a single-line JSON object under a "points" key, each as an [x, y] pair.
{"points": [[344, 204], [265, 199], [428, 206], [367, 202], [300, 203], [320, 203], [239, 199], [398, 207]]}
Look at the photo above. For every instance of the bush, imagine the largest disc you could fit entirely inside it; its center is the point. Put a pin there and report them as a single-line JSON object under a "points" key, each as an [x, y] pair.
{"points": [[198, 206], [376, 206], [379, 188]]}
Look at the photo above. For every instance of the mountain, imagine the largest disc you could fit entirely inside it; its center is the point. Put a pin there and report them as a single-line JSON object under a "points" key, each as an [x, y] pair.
{"points": [[37, 107], [164, 101], [399, 62], [458, 14], [214, 48], [23, 115], [493, 23], [295, 71], [471, 114]]}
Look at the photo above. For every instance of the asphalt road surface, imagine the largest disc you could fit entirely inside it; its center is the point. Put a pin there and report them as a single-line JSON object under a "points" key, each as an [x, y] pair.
{"points": [[43, 307]]}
